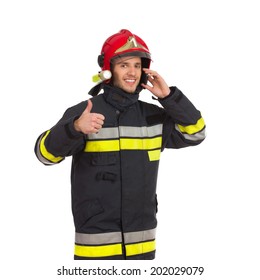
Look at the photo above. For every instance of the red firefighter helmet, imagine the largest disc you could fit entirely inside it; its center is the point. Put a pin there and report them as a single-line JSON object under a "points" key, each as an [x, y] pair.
{"points": [[123, 43]]}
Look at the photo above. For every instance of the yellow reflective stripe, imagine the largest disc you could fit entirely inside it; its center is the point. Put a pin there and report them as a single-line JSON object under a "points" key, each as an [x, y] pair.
{"points": [[140, 144], [154, 155], [45, 153], [193, 128], [98, 251], [123, 144], [140, 248], [102, 146]]}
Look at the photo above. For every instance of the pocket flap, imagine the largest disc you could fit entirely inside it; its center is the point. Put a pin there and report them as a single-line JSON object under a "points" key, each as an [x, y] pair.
{"points": [[103, 159]]}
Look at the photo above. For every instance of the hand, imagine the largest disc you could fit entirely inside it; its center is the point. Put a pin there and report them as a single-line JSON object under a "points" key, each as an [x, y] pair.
{"points": [[89, 122], [159, 87]]}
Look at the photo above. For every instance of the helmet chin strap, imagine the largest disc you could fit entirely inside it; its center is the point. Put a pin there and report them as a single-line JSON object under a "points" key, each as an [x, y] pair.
{"points": [[96, 89]]}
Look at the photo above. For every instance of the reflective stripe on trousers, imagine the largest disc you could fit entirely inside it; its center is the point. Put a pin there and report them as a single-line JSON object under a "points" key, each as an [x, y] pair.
{"points": [[110, 244]]}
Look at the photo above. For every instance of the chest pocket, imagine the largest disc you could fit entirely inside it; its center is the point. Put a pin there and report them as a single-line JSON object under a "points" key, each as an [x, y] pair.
{"points": [[103, 159]]}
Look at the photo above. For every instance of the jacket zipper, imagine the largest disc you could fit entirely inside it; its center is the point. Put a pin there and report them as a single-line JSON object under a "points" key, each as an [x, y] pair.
{"points": [[118, 113]]}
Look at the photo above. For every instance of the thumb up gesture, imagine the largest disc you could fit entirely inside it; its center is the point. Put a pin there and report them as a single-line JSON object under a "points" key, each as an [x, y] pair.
{"points": [[89, 122]]}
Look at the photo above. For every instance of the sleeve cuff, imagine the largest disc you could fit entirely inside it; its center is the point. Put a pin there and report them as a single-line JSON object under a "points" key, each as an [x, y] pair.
{"points": [[71, 131]]}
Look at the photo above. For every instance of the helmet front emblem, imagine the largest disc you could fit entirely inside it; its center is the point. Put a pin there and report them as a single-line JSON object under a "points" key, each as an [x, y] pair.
{"points": [[130, 44]]}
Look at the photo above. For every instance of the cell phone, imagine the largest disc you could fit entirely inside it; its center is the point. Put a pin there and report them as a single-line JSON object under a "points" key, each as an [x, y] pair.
{"points": [[144, 78]]}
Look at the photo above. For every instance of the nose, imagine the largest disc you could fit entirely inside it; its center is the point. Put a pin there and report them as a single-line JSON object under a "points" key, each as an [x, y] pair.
{"points": [[131, 70]]}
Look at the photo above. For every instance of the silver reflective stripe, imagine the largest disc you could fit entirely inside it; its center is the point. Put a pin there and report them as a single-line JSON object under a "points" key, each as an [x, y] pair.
{"points": [[127, 131], [193, 137], [143, 131], [98, 238], [105, 133], [39, 155], [139, 236]]}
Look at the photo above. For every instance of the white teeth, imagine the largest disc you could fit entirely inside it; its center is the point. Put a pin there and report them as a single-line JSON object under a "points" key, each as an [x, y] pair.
{"points": [[130, 81]]}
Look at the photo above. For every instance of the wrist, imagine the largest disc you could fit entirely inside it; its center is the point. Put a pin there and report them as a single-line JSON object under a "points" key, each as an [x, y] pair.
{"points": [[165, 94], [76, 125]]}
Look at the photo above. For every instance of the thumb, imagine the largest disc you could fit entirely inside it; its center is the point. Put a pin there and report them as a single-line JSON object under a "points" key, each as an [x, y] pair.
{"points": [[89, 106]]}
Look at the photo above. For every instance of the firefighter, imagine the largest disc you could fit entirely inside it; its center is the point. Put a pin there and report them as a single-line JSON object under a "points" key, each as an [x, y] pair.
{"points": [[115, 141]]}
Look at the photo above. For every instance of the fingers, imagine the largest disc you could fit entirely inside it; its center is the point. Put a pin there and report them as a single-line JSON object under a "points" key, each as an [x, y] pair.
{"points": [[158, 86], [89, 106], [95, 120], [151, 73], [152, 77]]}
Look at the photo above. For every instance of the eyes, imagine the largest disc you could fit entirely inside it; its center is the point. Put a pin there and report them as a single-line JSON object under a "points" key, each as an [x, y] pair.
{"points": [[126, 65]]}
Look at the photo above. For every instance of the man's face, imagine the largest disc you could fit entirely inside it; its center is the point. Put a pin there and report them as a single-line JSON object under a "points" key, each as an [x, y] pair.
{"points": [[127, 73]]}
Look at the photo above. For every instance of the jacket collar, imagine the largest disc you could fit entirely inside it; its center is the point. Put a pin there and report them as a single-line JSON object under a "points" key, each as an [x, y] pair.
{"points": [[119, 98]]}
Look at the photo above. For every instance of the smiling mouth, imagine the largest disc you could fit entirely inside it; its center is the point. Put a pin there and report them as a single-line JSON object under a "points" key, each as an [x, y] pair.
{"points": [[130, 81]]}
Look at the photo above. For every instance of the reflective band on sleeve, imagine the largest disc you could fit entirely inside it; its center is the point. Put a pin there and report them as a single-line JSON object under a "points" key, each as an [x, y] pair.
{"points": [[194, 137], [193, 128], [39, 154], [47, 154], [98, 251], [140, 248]]}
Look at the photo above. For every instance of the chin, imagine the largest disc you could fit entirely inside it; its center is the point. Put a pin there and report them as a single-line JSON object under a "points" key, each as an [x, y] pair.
{"points": [[130, 91]]}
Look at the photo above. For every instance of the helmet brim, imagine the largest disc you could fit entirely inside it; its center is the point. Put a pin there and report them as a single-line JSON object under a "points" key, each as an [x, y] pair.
{"points": [[132, 53]]}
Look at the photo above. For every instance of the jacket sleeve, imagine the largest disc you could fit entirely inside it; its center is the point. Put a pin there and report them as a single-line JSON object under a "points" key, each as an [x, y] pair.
{"points": [[62, 140], [184, 125]]}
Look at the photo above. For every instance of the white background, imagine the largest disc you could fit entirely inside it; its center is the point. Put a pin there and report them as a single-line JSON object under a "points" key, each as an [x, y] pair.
{"points": [[208, 195]]}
